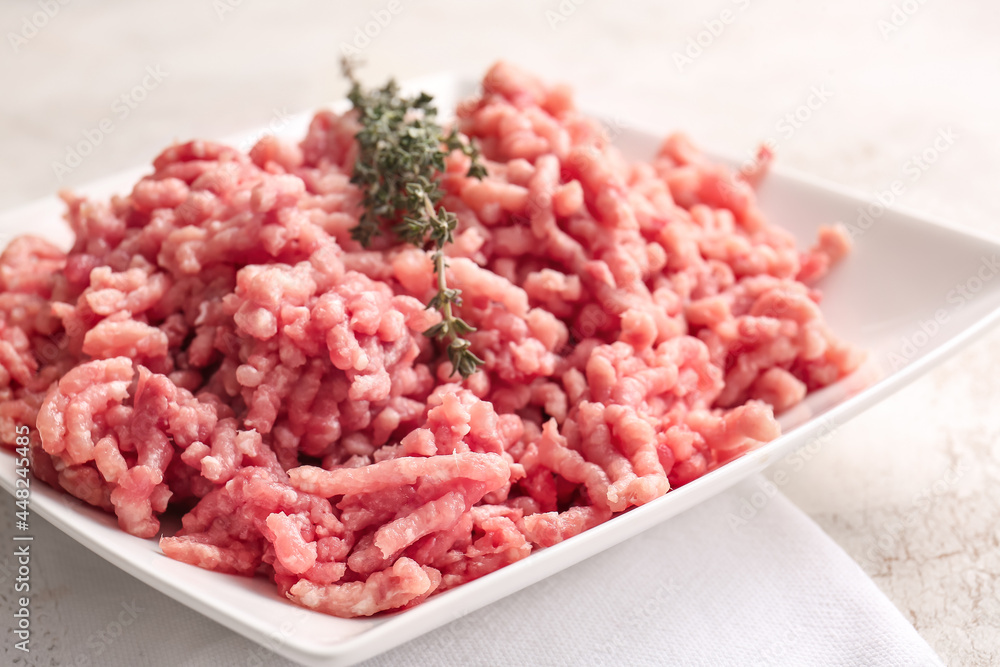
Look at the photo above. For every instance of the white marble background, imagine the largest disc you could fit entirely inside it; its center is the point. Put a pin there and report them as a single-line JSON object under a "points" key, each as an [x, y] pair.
{"points": [[911, 489]]}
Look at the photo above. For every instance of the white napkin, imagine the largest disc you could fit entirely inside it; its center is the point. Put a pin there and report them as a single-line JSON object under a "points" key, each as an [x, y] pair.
{"points": [[704, 588]]}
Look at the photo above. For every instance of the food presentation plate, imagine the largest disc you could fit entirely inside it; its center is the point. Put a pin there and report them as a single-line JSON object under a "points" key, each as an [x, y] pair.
{"points": [[912, 292]]}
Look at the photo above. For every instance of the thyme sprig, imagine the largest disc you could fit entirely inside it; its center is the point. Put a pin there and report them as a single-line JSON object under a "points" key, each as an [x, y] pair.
{"points": [[401, 156]]}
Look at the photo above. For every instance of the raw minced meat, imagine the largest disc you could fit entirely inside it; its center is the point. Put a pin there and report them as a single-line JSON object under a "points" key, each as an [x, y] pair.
{"points": [[215, 342]]}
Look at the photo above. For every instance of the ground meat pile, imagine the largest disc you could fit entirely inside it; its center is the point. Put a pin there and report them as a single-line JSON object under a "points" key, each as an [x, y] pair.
{"points": [[216, 344]]}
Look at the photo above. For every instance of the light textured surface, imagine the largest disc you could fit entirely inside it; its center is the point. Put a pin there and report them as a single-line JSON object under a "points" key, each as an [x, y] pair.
{"points": [[912, 488]]}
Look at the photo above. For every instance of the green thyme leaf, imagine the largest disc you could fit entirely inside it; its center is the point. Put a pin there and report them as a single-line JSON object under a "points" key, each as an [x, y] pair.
{"points": [[401, 157]]}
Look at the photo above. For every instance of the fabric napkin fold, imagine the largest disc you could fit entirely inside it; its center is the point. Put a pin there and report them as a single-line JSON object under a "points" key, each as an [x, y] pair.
{"points": [[717, 585]]}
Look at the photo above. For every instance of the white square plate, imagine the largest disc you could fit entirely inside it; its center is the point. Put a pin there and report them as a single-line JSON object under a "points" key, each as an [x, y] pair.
{"points": [[912, 292]]}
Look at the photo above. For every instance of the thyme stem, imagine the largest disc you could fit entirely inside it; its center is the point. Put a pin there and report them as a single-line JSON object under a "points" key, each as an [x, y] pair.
{"points": [[401, 157]]}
